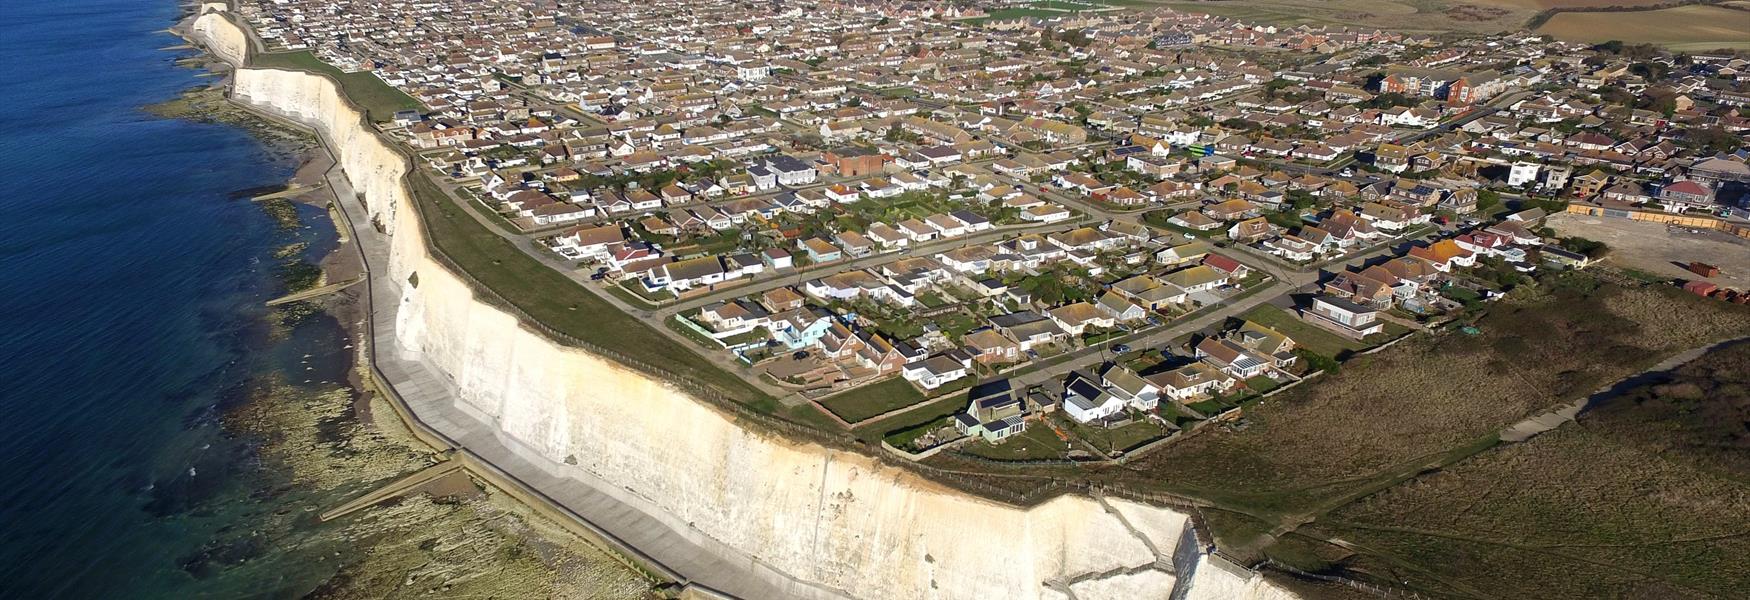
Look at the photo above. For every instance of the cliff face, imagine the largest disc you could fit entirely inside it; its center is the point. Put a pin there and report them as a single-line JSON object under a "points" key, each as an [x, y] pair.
{"points": [[841, 521], [221, 37]]}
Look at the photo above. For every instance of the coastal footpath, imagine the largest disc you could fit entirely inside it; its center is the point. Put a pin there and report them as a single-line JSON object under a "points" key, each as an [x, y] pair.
{"points": [[670, 481]]}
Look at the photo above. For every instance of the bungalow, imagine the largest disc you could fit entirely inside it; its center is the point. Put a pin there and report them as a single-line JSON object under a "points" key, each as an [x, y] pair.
{"points": [[1133, 389], [988, 346], [819, 250], [855, 244], [918, 231], [1076, 318], [1191, 381], [1045, 213], [1232, 358], [1232, 268], [1029, 329], [1196, 279], [1120, 309], [686, 274], [887, 237], [1086, 401], [1182, 253], [936, 371]]}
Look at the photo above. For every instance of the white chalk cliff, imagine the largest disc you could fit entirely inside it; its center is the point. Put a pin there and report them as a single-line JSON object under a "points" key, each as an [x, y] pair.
{"points": [[839, 520]]}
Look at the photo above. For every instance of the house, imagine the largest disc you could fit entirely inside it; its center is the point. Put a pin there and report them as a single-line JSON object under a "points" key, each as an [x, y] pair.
{"points": [[735, 316], [1342, 316], [1195, 221], [1148, 292], [936, 371], [820, 251], [1233, 269], [683, 275], [791, 171], [1232, 358], [1231, 210], [1252, 230], [855, 244], [781, 299], [1191, 381], [799, 327], [588, 242], [1085, 401], [988, 346], [1196, 279], [1076, 318], [1029, 329], [994, 412], [1120, 309], [1444, 255], [1133, 389], [1686, 195]]}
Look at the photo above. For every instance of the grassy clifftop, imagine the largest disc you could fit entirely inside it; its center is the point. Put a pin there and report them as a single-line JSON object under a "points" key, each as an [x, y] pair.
{"points": [[380, 100]]}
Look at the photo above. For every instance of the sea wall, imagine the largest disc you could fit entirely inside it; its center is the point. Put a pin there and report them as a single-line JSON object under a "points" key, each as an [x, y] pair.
{"points": [[841, 522]]}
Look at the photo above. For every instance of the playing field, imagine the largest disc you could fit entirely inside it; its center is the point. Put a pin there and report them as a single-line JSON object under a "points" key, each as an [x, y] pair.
{"points": [[1683, 28]]}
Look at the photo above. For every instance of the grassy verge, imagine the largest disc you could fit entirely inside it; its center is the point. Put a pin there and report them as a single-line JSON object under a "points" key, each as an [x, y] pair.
{"points": [[559, 303]]}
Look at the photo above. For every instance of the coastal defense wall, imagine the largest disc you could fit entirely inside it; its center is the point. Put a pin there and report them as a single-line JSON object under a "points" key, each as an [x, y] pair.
{"points": [[817, 521], [221, 37]]}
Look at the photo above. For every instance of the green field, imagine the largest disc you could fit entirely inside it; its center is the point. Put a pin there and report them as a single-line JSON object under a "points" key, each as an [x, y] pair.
{"points": [[380, 100]]}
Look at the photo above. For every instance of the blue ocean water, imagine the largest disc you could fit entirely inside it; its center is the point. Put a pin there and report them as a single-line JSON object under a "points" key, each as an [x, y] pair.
{"points": [[131, 283]]}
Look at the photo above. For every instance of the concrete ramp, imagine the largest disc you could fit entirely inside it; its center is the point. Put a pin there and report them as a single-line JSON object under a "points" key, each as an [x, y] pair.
{"points": [[393, 490]]}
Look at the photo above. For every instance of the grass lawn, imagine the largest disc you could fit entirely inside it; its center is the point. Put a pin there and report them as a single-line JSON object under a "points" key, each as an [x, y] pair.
{"points": [[1038, 442], [560, 303], [644, 296], [869, 400], [1262, 384], [1118, 439], [929, 415], [380, 100], [1306, 335]]}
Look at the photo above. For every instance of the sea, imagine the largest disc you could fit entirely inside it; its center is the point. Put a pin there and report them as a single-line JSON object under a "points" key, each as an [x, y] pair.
{"points": [[133, 272]]}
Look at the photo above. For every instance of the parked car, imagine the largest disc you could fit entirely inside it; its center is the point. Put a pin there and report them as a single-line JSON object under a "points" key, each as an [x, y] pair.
{"points": [[1121, 348]]}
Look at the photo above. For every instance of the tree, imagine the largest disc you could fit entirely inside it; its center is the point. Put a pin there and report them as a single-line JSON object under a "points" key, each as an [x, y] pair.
{"points": [[1487, 200], [1319, 362]]}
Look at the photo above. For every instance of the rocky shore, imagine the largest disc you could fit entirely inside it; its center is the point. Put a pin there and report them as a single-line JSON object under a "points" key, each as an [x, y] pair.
{"points": [[314, 443]]}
